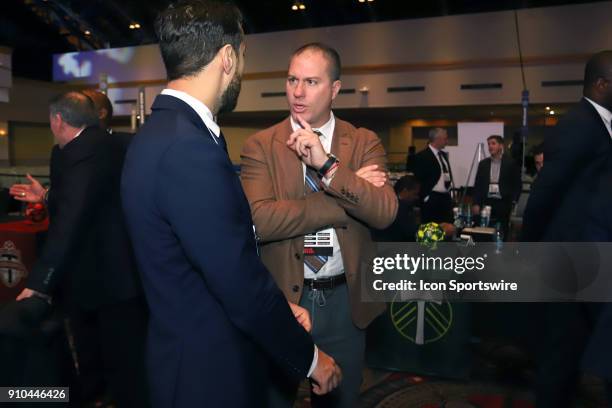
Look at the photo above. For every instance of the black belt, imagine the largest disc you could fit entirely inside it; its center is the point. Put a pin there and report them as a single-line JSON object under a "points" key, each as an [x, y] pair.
{"points": [[325, 283]]}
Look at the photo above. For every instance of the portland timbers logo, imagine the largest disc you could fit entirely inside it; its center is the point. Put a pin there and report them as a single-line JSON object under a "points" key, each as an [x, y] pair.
{"points": [[12, 270], [421, 321]]}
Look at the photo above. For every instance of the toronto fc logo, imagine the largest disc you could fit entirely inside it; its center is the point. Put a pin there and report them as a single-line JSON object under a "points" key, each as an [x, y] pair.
{"points": [[12, 270]]}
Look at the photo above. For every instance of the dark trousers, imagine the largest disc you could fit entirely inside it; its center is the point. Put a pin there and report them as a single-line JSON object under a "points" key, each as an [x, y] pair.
{"points": [[565, 330], [333, 332], [437, 208], [500, 212], [110, 350]]}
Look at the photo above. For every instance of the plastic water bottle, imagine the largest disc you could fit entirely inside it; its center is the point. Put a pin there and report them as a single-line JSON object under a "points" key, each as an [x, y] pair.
{"points": [[499, 239], [484, 218]]}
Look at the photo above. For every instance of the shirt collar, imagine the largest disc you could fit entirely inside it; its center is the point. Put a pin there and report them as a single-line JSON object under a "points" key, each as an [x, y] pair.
{"points": [[434, 150], [327, 129], [603, 112], [202, 110], [75, 136], [79, 133]]}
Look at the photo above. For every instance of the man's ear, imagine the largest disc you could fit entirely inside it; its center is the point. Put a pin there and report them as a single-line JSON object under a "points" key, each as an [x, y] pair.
{"points": [[336, 85], [228, 58]]}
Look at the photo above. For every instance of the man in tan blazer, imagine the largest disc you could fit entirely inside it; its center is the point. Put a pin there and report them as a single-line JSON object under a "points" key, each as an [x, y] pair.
{"points": [[316, 184]]}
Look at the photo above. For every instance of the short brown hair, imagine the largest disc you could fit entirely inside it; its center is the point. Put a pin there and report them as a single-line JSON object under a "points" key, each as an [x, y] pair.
{"points": [[497, 138], [328, 52]]}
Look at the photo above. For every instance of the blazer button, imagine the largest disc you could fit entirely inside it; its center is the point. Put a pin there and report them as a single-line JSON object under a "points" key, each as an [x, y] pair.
{"points": [[295, 288], [297, 256]]}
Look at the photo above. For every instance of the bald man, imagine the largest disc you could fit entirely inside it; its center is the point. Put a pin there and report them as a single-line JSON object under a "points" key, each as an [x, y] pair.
{"points": [[570, 201]]}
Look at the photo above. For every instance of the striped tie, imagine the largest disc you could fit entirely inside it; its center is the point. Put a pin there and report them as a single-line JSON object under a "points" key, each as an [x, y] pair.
{"points": [[311, 185]]}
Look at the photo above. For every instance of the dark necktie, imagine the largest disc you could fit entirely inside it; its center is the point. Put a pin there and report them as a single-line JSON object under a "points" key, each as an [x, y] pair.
{"points": [[442, 157], [312, 185]]}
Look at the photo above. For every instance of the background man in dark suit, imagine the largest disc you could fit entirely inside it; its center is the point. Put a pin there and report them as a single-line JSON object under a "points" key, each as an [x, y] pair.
{"points": [[406, 223], [408, 218], [497, 183], [109, 330], [87, 264], [432, 168], [217, 315], [569, 202]]}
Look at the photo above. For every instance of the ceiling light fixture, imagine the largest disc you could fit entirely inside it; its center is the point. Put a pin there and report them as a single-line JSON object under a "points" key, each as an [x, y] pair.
{"points": [[298, 5], [548, 108], [87, 32], [552, 112]]}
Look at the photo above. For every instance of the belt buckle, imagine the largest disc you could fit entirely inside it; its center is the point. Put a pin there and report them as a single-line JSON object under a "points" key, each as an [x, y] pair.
{"points": [[311, 284]]}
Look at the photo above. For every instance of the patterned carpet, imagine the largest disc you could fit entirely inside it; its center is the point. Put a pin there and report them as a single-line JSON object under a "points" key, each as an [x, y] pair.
{"points": [[399, 390]]}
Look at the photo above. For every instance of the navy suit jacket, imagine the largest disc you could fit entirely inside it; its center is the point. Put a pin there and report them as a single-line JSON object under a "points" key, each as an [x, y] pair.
{"points": [[87, 260], [569, 200], [217, 317]]}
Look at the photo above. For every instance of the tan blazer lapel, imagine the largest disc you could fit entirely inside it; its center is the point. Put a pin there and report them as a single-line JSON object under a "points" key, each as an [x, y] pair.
{"points": [[290, 174], [341, 143]]}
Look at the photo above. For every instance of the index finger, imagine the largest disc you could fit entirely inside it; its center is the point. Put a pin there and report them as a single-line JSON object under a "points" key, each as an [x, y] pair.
{"points": [[303, 123]]}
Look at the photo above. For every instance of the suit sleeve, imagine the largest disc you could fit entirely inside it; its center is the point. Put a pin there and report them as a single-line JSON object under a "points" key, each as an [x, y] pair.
{"points": [[517, 182], [282, 219], [213, 224], [564, 152], [376, 206], [479, 183], [83, 185]]}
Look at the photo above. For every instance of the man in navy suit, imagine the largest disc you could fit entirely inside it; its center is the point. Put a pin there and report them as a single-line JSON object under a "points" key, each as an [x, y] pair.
{"points": [[570, 202], [217, 317]]}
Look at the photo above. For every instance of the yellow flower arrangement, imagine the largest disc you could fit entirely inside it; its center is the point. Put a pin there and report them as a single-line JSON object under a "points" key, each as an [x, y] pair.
{"points": [[430, 234]]}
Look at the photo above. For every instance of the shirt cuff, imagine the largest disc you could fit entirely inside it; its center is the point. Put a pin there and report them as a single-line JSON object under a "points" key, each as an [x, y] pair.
{"points": [[315, 360]]}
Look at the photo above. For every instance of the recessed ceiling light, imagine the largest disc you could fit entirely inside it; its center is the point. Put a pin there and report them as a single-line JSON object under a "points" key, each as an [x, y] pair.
{"points": [[294, 7], [136, 25], [552, 112], [87, 32], [302, 7], [548, 108], [132, 26], [362, 1]]}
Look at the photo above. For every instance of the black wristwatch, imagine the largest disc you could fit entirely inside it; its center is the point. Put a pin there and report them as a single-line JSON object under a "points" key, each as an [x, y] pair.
{"points": [[331, 160]]}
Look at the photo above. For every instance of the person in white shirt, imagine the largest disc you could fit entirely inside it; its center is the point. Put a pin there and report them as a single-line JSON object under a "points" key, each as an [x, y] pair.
{"points": [[433, 170]]}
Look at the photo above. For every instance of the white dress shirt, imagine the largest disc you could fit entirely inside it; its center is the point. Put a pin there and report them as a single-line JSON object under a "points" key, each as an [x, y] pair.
{"points": [[605, 114], [439, 187], [334, 265], [207, 117], [202, 110]]}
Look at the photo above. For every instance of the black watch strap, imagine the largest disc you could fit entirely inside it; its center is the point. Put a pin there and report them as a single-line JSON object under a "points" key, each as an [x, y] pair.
{"points": [[328, 164]]}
